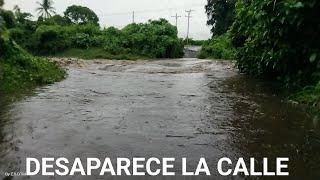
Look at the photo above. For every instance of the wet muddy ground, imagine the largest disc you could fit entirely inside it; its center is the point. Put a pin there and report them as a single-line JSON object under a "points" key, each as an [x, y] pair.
{"points": [[159, 108]]}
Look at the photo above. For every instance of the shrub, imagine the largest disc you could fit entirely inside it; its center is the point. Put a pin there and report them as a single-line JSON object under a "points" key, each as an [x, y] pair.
{"points": [[278, 39], [153, 39], [18, 69], [156, 39], [52, 39], [219, 47], [8, 18], [81, 40], [114, 41]]}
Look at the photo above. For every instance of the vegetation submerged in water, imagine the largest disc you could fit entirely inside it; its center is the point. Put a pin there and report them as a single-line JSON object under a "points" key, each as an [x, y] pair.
{"points": [[97, 53], [275, 40], [309, 95]]}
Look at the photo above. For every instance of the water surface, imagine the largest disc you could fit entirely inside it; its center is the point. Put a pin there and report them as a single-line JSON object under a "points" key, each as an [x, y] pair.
{"points": [[161, 108]]}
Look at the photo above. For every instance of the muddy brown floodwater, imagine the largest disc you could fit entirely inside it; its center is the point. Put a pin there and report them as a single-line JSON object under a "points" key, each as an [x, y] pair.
{"points": [[159, 108]]}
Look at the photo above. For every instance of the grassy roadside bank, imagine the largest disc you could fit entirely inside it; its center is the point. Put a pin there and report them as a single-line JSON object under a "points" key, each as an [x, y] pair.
{"points": [[20, 71]]}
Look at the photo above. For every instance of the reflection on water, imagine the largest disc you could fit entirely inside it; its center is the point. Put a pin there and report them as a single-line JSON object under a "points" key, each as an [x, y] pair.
{"points": [[7, 144], [160, 109], [265, 126]]}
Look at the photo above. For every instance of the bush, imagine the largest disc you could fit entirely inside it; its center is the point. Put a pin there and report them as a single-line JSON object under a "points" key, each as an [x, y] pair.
{"points": [[8, 17], [54, 20], [81, 40], [278, 40], [114, 41], [18, 69], [219, 47], [156, 39], [153, 39], [54, 38], [51, 39]]}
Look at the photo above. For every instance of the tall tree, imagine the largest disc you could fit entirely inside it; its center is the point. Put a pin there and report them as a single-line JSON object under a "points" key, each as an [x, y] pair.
{"points": [[46, 8], [1, 19], [21, 17], [81, 15], [220, 15]]}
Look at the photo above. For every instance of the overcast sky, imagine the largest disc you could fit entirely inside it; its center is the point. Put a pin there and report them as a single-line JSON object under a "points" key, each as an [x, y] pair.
{"points": [[118, 13]]}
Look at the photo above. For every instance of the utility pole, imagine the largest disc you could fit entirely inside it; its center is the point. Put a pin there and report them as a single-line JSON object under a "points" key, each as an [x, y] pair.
{"points": [[176, 16], [132, 16], [188, 16]]}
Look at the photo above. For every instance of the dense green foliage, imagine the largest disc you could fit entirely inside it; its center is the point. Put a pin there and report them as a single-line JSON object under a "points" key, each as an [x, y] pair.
{"points": [[50, 39], [54, 20], [78, 30], [220, 15], [153, 39], [81, 15], [2, 22], [278, 39], [219, 47], [8, 18], [19, 69]]}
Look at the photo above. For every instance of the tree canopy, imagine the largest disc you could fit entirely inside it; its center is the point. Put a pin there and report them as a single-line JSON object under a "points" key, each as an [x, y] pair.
{"points": [[46, 8], [21, 17], [220, 15], [81, 15], [1, 19], [278, 40]]}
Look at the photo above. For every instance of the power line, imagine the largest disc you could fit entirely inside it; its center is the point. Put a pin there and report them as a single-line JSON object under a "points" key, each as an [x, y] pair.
{"points": [[148, 10], [176, 16], [188, 16]]}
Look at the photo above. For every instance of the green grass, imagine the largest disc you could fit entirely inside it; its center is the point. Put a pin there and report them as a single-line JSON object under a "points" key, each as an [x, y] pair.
{"points": [[97, 53], [309, 95]]}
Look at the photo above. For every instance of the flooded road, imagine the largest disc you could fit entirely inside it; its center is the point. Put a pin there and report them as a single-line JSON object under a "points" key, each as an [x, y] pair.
{"points": [[160, 108]]}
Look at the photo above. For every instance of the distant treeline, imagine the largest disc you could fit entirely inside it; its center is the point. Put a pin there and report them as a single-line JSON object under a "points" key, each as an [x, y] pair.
{"points": [[79, 28]]}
